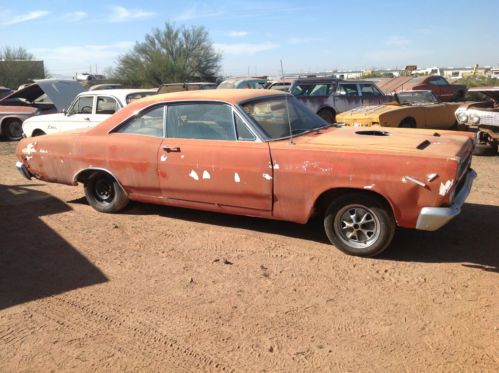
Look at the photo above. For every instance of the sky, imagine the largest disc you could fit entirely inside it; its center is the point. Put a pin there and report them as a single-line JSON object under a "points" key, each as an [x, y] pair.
{"points": [[254, 36]]}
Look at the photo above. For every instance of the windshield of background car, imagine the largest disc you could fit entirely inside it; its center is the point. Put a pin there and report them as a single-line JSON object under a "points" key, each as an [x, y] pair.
{"points": [[226, 85], [416, 98], [277, 116], [312, 89]]}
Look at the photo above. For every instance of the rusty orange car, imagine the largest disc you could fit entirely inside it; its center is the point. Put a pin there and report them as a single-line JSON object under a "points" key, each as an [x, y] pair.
{"points": [[262, 153]]}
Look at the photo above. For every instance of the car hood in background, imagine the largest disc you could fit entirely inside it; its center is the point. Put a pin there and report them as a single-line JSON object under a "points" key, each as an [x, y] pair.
{"points": [[60, 92], [492, 92]]}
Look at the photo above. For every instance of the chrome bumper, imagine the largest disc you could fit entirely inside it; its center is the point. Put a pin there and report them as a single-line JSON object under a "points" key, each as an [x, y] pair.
{"points": [[23, 170], [433, 218]]}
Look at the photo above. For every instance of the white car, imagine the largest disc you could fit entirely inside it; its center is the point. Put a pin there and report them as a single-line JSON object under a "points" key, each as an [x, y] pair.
{"points": [[87, 110]]}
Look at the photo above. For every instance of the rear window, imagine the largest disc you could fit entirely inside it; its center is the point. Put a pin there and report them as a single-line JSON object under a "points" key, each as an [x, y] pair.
{"points": [[137, 96]]}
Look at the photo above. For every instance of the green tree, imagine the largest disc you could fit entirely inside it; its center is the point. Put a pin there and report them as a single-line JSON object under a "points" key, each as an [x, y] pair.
{"points": [[17, 66], [170, 55]]}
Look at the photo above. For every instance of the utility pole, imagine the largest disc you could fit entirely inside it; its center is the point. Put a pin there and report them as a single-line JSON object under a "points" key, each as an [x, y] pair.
{"points": [[282, 69]]}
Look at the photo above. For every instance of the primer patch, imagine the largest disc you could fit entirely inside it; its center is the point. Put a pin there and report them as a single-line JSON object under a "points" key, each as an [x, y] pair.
{"points": [[164, 157], [267, 177], [237, 179], [206, 175], [369, 186], [29, 149], [194, 175]]}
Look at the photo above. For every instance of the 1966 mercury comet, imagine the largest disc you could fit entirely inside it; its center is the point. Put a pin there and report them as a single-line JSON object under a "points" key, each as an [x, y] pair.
{"points": [[262, 153]]}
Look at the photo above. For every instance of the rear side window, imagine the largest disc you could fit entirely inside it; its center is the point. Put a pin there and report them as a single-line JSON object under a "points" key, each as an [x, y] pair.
{"points": [[312, 89], [200, 121], [148, 123], [369, 90], [106, 105]]}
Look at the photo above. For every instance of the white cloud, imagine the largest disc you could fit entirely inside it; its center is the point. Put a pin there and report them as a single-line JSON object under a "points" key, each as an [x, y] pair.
{"points": [[77, 58], [397, 41], [122, 14], [195, 13], [8, 18], [75, 16], [238, 34], [246, 48]]}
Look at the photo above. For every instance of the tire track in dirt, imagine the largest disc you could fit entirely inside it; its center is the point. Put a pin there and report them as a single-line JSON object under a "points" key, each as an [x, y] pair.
{"points": [[143, 337]]}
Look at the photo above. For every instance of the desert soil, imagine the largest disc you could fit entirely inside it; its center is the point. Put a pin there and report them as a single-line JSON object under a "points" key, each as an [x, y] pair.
{"points": [[167, 289]]}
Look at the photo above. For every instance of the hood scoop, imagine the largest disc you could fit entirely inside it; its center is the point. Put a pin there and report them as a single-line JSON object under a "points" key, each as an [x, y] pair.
{"points": [[373, 133]]}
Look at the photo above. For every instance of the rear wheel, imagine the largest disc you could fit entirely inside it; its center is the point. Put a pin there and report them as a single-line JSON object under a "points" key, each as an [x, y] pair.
{"points": [[13, 129], [104, 193], [359, 224], [327, 115]]}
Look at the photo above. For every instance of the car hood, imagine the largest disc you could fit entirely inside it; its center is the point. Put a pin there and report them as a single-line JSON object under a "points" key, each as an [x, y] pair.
{"points": [[492, 92], [46, 118], [366, 112], [426, 143], [60, 92]]}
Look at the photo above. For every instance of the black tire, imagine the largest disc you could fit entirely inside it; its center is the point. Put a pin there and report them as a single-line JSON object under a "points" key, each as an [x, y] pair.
{"points": [[378, 223], [104, 193], [13, 129], [327, 115], [485, 149], [38, 133], [408, 123]]}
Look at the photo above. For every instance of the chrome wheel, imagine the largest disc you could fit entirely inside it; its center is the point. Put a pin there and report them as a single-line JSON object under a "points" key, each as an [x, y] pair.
{"points": [[357, 226]]}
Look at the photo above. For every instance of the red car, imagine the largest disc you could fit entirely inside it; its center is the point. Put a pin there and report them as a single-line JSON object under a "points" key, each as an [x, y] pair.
{"points": [[262, 153], [440, 87]]}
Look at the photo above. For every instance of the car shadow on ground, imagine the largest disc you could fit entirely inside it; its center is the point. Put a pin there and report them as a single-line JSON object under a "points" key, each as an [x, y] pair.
{"points": [[472, 238], [35, 261]]}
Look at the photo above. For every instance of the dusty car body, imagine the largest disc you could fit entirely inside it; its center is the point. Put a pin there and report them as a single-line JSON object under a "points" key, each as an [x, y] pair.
{"points": [[440, 87], [328, 97], [409, 109], [264, 154], [243, 83], [482, 117], [87, 110], [42, 97], [177, 87]]}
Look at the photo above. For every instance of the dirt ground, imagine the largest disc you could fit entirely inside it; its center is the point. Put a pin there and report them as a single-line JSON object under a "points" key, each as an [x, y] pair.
{"points": [[167, 289]]}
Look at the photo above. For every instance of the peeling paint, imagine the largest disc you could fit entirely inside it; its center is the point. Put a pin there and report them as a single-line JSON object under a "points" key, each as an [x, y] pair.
{"points": [[194, 175], [237, 179], [29, 149], [43, 151], [369, 186], [267, 177], [276, 166], [206, 175], [445, 187], [404, 180], [431, 177], [29, 157], [182, 156], [164, 157]]}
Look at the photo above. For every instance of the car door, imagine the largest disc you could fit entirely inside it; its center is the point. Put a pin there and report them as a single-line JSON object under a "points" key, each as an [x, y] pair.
{"points": [[78, 116], [347, 97], [105, 107], [210, 156], [440, 116]]}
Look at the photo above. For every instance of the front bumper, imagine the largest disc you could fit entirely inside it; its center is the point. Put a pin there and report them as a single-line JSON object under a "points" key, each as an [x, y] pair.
{"points": [[23, 170], [433, 218]]}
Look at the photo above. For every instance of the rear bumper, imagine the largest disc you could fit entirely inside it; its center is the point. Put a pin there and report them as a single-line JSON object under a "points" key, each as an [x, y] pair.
{"points": [[433, 218], [23, 170]]}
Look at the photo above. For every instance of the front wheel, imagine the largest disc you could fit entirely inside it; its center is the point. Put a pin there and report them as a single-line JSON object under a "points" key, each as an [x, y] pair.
{"points": [[359, 225], [13, 129], [104, 193]]}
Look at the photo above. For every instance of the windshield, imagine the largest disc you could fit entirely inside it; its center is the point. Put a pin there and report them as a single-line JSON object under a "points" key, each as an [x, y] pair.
{"points": [[226, 84], [416, 98], [277, 116]]}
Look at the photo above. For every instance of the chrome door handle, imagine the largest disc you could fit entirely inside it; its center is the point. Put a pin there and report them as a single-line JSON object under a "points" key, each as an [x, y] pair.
{"points": [[86, 118], [170, 149]]}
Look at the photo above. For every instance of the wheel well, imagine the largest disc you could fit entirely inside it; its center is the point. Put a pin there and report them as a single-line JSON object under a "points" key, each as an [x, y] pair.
{"points": [[38, 132], [325, 199], [409, 120], [328, 109]]}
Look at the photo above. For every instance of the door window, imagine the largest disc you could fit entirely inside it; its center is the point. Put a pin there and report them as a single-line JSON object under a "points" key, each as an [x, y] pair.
{"points": [[106, 105], [149, 123], [83, 105], [317, 89], [200, 121], [369, 90], [347, 90]]}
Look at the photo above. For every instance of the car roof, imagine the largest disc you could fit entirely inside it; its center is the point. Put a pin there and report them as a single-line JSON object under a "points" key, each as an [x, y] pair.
{"points": [[322, 80], [188, 83], [233, 96]]}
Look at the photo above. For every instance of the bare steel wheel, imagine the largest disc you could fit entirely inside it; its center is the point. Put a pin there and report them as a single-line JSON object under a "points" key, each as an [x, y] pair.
{"points": [[359, 224]]}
